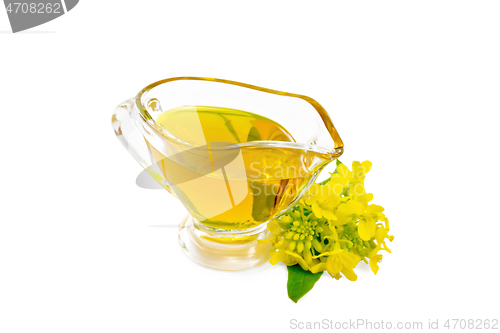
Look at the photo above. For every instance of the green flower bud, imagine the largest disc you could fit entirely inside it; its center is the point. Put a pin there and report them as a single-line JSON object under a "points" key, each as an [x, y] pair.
{"points": [[296, 237], [292, 245], [360, 250]]}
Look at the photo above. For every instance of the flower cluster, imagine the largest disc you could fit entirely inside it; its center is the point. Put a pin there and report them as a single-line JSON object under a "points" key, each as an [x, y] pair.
{"points": [[333, 227]]}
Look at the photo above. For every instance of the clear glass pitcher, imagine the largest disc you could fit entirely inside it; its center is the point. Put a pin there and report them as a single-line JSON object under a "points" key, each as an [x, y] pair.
{"points": [[234, 154]]}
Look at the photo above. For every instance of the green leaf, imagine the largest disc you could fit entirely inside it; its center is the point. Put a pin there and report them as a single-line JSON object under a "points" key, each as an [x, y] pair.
{"points": [[300, 282]]}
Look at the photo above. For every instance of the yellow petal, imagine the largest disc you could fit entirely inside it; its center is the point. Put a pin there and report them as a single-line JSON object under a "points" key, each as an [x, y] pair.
{"points": [[349, 208], [366, 229], [357, 189], [365, 199], [303, 264], [317, 211], [374, 209], [343, 171], [314, 188], [337, 249], [380, 234], [374, 263], [273, 227], [332, 225], [349, 274], [333, 200], [341, 212], [355, 207], [299, 260], [367, 165], [336, 186], [386, 222], [329, 215], [334, 236], [359, 170], [277, 256], [333, 265], [279, 243], [308, 257], [318, 268], [324, 254], [349, 260]]}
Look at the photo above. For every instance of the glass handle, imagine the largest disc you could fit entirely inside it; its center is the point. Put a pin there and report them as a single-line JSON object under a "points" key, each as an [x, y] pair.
{"points": [[128, 133]]}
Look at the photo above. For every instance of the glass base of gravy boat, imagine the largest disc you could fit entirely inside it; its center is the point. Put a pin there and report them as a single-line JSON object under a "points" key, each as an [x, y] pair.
{"points": [[235, 155], [224, 250]]}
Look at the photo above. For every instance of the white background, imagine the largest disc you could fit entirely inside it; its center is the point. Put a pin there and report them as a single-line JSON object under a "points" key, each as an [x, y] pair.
{"points": [[412, 86]]}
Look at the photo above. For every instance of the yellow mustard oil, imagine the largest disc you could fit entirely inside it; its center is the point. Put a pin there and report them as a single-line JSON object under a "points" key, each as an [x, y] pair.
{"points": [[231, 169]]}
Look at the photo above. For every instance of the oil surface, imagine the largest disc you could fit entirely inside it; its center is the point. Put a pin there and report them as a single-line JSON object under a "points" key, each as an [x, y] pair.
{"points": [[222, 183]]}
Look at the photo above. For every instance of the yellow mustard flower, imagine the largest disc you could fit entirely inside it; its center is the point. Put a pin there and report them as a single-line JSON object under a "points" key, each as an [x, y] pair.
{"points": [[333, 227], [368, 222], [338, 261], [375, 259], [382, 233], [322, 201], [348, 211]]}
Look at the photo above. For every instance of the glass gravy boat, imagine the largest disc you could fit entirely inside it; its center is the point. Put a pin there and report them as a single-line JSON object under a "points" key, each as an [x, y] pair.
{"points": [[235, 155]]}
